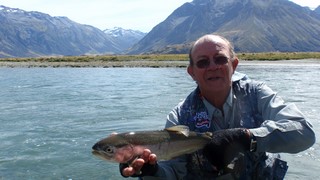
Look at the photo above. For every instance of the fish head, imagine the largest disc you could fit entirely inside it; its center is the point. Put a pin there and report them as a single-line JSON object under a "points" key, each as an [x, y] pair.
{"points": [[114, 148]]}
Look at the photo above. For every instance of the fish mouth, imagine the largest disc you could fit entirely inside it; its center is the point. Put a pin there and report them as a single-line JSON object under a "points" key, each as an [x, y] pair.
{"points": [[96, 147], [95, 152], [100, 154]]}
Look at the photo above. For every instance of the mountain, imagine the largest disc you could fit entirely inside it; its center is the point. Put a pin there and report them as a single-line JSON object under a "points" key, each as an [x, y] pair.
{"points": [[252, 26], [125, 38], [32, 34], [317, 10]]}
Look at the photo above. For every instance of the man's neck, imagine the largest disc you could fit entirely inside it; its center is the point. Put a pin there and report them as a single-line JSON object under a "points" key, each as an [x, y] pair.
{"points": [[217, 99]]}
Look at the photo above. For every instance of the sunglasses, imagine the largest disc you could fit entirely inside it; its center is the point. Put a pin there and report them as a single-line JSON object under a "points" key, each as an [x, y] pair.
{"points": [[205, 63]]}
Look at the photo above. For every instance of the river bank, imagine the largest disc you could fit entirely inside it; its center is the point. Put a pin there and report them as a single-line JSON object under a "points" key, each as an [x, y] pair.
{"points": [[155, 61], [131, 64]]}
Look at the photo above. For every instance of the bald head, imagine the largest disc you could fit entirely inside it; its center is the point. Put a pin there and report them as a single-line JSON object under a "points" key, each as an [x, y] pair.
{"points": [[214, 39]]}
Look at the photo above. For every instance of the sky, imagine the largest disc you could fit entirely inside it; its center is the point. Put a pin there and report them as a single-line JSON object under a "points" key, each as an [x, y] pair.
{"points": [[140, 15]]}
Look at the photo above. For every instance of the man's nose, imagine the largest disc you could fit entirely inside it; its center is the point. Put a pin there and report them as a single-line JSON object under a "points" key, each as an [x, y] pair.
{"points": [[213, 64]]}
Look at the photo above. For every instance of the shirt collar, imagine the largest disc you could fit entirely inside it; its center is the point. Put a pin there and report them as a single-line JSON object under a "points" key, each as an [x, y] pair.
{"points": [[238, 76], [211, 109], [229, 99]]}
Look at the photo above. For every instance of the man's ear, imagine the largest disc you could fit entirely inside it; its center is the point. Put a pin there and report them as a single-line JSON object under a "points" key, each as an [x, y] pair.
{"points": [[190, 71], [235, 63]]}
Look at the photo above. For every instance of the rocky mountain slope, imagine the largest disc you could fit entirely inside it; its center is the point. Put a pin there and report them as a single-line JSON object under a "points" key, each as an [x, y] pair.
{"points": [[317, 10], [33, 34], [252, 25], [37, 34]]}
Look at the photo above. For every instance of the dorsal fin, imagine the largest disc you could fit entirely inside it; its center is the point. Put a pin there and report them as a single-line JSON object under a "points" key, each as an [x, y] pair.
{"points": [[179, 128]]}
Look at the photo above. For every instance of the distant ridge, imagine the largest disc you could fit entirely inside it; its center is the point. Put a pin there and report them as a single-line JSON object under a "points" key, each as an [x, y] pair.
{"points": [[317, 11], [125, 38], [34, 34], [252, 25]]}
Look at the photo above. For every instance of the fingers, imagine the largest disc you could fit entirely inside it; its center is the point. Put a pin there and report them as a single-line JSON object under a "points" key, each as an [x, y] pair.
{"points": [[136, 165], [128, 171], [148, 157], [134, 168], [153, 159]]}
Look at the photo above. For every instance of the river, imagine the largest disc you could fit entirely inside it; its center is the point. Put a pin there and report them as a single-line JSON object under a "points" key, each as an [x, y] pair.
{"points": [[51, 117]]}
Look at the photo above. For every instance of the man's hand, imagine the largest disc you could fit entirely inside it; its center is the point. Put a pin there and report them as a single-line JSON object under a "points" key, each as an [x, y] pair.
{"points": [[226, 145], [146, 165]]}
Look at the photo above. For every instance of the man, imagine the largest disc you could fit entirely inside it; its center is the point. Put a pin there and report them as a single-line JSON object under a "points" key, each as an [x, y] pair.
{"points": [[249, 122]]}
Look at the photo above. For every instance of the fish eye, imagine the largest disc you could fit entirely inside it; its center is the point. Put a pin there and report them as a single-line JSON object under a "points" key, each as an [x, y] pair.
{"points": [[109, 149]]}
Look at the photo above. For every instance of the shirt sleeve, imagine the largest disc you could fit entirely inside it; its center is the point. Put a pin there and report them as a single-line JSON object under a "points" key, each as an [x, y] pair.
{"points": [[172, 169], [172, 118], [285, 129]]}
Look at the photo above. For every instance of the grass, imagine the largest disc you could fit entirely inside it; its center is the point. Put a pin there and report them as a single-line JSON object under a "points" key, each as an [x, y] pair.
{"points": [[148, 60], [271, 56]]}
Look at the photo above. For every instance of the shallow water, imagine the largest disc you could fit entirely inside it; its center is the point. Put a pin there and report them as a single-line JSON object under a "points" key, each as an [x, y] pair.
{"points": [[50, 118]]}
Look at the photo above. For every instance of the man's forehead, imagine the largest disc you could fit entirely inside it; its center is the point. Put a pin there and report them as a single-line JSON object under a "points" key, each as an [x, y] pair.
{"points": [[211, 38], [217, 41]]}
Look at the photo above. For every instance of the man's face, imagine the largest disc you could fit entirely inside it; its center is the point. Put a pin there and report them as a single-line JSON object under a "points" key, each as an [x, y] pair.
{"points": [[212, 66]]}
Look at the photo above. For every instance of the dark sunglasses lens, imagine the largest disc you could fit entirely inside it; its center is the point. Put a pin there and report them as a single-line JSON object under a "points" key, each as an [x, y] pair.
{"points": [[203, 64], [221, 60]]}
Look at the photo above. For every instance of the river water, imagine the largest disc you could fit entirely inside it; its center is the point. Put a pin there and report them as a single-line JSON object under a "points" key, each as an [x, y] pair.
{"points": [[51, 117]]}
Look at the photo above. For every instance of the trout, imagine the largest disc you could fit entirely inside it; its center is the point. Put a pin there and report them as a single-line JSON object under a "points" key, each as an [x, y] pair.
{"points": [[166, 144]]}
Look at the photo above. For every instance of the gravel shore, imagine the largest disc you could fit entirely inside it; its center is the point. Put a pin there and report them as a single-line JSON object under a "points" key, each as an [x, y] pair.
{"points": [[141, 63], [100, 64]]}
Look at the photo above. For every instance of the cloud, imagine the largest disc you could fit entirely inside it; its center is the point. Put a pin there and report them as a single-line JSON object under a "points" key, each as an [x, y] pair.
{"points": [[310, 3]]}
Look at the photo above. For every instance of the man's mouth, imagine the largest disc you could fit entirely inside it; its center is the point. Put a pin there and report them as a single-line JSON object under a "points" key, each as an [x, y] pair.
{"points": [[213, 78]]}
